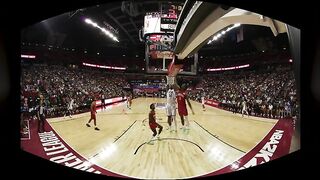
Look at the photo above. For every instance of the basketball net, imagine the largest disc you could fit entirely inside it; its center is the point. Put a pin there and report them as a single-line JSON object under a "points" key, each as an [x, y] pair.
{"points": [[171, 80]]}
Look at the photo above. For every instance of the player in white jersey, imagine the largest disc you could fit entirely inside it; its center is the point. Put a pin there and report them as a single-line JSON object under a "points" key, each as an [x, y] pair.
{"points": [[202, 102], [171, 107], [70, 108], [244, 108]]}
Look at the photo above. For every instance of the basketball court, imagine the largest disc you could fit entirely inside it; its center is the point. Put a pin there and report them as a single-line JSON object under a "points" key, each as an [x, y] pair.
{"points": [[215, 140]]}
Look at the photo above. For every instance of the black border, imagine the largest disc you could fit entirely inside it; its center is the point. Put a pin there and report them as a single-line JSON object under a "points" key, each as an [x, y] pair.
{"points": [[18, 14]]}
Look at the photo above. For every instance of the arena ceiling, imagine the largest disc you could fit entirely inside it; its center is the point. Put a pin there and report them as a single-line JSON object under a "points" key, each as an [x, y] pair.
{"points": [[69, 30]]}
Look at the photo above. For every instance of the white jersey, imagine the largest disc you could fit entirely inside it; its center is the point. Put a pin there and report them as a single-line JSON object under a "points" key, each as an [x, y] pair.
{"points": [[270, 106], [171, 103], [244, 106], [71, 104], [202, 100], [171, 97]]}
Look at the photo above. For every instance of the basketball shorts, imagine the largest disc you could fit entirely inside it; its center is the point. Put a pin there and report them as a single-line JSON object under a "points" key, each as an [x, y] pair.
{"points": [[182, 111], [171, 110], [153, 125], [93, 115]]}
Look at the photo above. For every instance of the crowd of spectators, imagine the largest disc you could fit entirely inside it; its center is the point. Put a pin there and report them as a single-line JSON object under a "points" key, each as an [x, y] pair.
{"points": [[267, 94], [59, 84]]}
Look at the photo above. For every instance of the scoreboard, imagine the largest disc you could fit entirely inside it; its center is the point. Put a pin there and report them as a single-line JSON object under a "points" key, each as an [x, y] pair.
{"points": [[151, 23], [158, 33], [164, 21], [169, 16]]}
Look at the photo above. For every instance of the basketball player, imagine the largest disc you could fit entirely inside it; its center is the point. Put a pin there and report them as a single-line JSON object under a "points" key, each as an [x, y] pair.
{"points": [[153, 124], [93, 115], [129, 101], [41, 114], [244, 108], [171, 107], [182, 107], [202, 102], [102, 101], [70, 108]]}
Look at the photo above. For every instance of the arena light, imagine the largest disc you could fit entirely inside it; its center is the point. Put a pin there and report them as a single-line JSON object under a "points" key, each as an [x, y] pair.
{"points": [[88, 21], [28, 56], [223, 32], [104, 67], [229, 68], [290, 60], [106, 32]]}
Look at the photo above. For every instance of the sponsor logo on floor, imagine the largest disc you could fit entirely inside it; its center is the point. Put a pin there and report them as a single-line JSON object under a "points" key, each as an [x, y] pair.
{"points": [[275, 144], [50, 146]]}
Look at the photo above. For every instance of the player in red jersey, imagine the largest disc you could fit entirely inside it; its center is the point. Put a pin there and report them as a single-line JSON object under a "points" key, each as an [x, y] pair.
{"points": [[182, 107], [153, 124], [129, 101], [93, 110]]}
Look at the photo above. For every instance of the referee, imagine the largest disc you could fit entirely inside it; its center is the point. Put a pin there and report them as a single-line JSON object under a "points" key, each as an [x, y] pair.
{"points": [[41, 114]]}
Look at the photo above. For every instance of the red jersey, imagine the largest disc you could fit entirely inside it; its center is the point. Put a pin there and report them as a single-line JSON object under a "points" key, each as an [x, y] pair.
{"points": [[93, 107], [182, 107], [181, 99], [152, 117], [152, 120]]}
